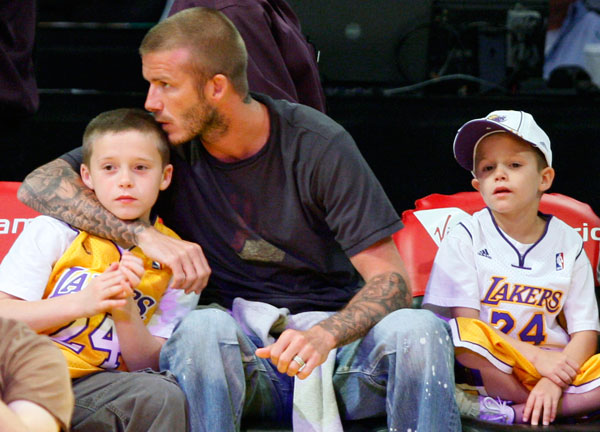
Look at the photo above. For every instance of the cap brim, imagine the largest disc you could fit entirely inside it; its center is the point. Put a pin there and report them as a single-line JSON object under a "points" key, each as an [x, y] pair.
{"points": [[467, 137]]}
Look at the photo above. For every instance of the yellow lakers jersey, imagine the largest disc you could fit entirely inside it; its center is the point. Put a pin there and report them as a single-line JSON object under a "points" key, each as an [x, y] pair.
{"points": [[91, 344]]}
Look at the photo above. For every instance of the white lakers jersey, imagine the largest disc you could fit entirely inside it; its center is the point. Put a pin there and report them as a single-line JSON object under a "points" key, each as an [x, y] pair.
{"points": [[521, 289]]}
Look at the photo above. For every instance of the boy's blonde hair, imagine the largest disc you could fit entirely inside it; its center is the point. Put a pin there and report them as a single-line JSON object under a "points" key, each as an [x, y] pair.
{"points": [[121, 120]]}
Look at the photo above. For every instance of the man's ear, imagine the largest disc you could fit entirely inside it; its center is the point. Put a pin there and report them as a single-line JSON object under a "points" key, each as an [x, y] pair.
{"points": [[547, 178], [475, 184], [167, 175], [86, 177], [216, 87]]}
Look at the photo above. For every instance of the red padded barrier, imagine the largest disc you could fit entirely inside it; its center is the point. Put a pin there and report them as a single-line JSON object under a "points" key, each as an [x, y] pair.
{"points": [[13, 215], [427, 224]]}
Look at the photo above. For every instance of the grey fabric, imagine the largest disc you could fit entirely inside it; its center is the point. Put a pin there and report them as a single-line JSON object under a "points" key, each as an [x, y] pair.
{"points": [[146, 401]]}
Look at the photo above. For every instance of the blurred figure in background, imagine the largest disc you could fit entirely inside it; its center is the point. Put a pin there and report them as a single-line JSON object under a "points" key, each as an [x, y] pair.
{"points": [[571, 25]]}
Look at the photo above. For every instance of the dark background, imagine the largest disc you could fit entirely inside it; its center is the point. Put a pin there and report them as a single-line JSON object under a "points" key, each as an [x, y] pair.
{"points": [[406, 137]]}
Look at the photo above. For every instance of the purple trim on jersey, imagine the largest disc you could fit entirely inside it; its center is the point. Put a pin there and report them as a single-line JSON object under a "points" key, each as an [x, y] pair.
{"points": [[522, 257], [579, 253], [466, 229], [77, 230]]}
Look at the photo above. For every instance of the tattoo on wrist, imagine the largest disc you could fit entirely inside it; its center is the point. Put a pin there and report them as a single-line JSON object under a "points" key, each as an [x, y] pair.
{"points": [[381, 295]]}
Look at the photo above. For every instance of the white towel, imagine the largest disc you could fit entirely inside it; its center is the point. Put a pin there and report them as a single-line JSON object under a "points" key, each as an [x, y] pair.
{"points": [[314, 405]]}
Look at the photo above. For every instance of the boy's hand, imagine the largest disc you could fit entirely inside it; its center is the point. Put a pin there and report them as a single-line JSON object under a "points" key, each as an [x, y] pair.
{"points": [[542, 401], [557, 367], [103, 293], [132, 267]]}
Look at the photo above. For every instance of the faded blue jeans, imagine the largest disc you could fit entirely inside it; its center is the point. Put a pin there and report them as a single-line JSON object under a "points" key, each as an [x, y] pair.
{"points": [[402, 368]]}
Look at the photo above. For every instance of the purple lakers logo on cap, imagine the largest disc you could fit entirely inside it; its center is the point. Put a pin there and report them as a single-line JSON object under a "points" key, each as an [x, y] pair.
{"points": [[497, 118]]}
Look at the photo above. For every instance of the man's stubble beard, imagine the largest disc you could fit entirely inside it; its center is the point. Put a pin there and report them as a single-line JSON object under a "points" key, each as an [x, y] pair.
{"points": [[205, 123]]}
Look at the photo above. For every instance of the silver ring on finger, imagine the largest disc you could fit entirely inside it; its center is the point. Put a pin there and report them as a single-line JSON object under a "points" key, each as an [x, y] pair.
{"points": [[301, 362]]}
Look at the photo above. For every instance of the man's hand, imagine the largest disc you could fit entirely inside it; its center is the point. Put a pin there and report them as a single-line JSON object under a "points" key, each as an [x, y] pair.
{"points": [[542, 401], [312, 346], [185, 259], [556, 366]]}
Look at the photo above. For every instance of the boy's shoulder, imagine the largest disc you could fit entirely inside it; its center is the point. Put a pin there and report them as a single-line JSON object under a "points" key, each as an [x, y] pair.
{"points": [[44, 223], [465, 226], [481, 225]]}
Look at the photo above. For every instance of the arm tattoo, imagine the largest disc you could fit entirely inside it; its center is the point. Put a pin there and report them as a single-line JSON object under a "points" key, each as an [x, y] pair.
{"points": [[56, 190], [381, 295]]}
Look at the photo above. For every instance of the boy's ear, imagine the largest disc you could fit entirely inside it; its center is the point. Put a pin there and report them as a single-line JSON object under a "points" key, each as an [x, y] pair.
{"points": [[86, 177], [547, 178], [167, 175], [475, 184]]}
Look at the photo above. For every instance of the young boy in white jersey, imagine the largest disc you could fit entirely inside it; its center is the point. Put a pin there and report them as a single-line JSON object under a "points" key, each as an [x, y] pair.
{"points": [[517, 283], [106, 306]]}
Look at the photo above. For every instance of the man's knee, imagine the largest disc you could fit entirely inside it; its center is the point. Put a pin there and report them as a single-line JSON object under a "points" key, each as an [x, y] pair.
{"points": [[203, 321], [411, 324]]}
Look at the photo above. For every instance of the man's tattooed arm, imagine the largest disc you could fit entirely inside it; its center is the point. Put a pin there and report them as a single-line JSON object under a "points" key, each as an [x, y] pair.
{"points": [[382, 294], [56, 190]]}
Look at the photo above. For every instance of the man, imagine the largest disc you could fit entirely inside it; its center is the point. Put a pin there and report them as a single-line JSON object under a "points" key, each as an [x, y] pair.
{"points": [[281, 62], [288, 215]]}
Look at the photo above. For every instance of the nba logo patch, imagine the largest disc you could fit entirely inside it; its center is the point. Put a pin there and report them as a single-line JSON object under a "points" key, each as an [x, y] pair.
{"points": [[560, 261]]}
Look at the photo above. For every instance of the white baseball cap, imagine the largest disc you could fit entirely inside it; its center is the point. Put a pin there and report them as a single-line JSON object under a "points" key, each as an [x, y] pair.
{"points": [[518, 123]]}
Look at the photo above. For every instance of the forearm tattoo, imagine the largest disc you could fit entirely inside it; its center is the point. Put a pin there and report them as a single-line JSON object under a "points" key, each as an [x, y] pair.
{"points": [[381, 295], [56, 190]]}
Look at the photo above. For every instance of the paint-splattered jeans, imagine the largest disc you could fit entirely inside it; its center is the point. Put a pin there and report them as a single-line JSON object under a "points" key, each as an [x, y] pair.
{"points": [[402, 368]]}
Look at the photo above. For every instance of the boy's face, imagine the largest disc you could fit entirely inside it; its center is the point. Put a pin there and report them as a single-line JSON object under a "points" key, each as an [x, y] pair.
{"points": [[126, 173], [508, 176]]}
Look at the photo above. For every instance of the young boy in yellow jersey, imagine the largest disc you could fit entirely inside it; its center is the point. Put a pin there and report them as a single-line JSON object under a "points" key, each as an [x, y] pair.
{"points": [[107, 306], [517, 283]]}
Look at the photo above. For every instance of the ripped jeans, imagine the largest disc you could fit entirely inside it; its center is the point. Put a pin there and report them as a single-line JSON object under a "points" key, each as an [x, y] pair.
{"points": [[402, 369]]}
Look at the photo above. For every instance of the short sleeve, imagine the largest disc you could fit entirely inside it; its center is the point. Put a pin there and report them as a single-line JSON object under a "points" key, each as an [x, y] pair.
{"points": [[27, 266], [357, 209], [581, 307], [453, 278], [74, 158], [32, 368]]}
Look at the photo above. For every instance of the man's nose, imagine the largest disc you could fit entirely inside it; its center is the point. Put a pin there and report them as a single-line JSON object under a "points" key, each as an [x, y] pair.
{"points": [[153, 102]]}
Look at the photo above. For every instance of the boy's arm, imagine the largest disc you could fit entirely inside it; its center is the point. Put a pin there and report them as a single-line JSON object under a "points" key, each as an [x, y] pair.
{"points": [[544, 397], [25, 416], [102, 294], [55, 189], [139, 348], [582, 346]]}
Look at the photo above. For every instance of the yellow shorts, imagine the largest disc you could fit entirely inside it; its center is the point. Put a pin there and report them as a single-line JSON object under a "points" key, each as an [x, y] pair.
{"points": [[479, 337]]}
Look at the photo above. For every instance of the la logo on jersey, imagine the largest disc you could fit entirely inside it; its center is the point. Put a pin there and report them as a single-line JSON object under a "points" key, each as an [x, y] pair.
{"points": [[73, 280], [560, 261]]}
